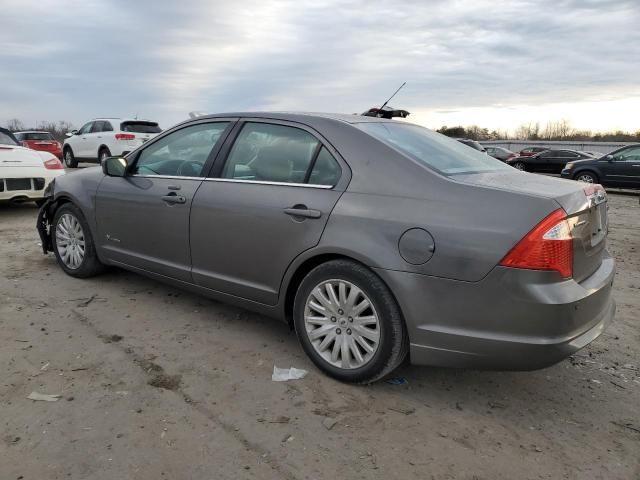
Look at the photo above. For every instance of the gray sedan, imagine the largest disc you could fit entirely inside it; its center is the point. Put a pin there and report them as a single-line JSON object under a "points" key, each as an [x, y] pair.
{"points": [[376, 240]]}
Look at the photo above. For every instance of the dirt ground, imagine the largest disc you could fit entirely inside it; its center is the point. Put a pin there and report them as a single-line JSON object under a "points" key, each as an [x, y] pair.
{"points": [[156, 383]]}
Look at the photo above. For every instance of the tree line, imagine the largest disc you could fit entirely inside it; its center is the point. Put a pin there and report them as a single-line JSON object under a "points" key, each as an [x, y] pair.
{"points": [[556, 130], [57, 129]]}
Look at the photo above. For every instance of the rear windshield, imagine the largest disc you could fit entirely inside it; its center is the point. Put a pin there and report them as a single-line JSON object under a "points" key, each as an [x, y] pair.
{"points": [[36, 136], [140, 127], [436, 151]]}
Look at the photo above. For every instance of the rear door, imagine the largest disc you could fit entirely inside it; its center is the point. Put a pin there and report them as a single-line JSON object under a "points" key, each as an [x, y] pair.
{"points": [[143, 218], [560, 159], [262, 207]]}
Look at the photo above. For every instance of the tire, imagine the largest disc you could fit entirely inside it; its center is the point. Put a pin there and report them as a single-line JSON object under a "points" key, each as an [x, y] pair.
{"points": [[103, 153], [520, 166], [69, 159], [66, 218], [339, 328], [586, 176]]}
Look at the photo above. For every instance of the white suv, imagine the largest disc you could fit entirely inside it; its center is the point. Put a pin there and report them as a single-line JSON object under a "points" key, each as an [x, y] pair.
{"points": [[105, 137]]}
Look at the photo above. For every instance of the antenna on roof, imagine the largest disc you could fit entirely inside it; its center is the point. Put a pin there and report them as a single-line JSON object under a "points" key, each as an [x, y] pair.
{"points": [[394, 94]]}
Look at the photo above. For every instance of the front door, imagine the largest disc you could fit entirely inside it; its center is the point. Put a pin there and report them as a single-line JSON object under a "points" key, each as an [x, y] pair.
{"points": [[143, 218], [80, 144], [268, 204]]}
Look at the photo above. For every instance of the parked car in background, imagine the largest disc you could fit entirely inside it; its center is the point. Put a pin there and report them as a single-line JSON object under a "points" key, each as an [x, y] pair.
{"points": [[43, 141], [471, 143], [620, 168], [549, 161], [25, 173], [500, 153], [105, 137], [529, 151], [373, 238]]}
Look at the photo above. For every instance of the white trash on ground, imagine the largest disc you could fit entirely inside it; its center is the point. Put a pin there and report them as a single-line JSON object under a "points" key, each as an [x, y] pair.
{"points": [[284, 374], [43, 397]]}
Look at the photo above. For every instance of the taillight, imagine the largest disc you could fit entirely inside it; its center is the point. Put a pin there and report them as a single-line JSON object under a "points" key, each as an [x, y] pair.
{"points": [[548, 246], [125, 136], [53, 164]]}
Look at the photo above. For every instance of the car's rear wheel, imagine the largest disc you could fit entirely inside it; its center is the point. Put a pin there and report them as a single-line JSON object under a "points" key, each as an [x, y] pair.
{"points": [[103, 154], [587, 176], [69, 159], [520, 166], [72, 243], [349, 323]]}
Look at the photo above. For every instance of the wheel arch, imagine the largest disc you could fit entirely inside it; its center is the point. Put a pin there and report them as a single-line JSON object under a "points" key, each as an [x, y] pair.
{"points": [[300, 269], [590, 170]]}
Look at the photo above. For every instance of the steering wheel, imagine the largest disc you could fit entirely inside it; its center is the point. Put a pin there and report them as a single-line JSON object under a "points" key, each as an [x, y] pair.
{"points": [[194, 168]]}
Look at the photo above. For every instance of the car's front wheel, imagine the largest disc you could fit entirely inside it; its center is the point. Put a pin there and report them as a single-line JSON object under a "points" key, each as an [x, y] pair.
{"points": [[349, 323], [519, 166], [73, 245], [588, 177], [103, 154], [69, 159]]}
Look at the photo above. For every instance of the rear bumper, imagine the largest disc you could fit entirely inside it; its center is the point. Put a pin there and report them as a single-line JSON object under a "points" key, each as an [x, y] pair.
{"points": [[511, 320]]}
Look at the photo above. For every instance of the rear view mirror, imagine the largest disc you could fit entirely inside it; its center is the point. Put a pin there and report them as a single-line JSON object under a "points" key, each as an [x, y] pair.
{"points": [[114, 166]]}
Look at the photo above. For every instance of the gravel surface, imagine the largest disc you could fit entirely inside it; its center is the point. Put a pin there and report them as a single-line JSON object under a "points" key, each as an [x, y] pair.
{"points": [[156, 383]]}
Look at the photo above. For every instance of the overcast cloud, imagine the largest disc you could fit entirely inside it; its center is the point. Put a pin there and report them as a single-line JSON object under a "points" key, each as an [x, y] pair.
{"points": [[74, 60]]}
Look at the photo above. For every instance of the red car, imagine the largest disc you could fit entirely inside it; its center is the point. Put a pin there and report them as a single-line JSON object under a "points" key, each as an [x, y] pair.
{"points": [[42, 141], [531, 151]]}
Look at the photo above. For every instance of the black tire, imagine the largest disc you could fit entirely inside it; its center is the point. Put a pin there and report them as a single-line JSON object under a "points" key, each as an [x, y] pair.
{"points": [[520, 166], [90, 264], [69, 158], [394, 342], [584, 174], [103, 153]]}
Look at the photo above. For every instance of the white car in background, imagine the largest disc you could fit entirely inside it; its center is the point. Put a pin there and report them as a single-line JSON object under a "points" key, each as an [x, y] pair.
{"points": [[25, 173], [105, 137]]}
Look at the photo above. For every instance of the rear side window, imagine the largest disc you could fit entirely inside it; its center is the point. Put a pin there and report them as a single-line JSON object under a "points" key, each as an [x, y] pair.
{"points": [[107, 127], [97, 126], [271, 153], [326, 170], [6, 139], [432, 149], [140, 127]]}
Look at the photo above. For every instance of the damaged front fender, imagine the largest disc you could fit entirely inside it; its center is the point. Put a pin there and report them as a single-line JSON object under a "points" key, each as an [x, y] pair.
{"points": [[45, 218]]}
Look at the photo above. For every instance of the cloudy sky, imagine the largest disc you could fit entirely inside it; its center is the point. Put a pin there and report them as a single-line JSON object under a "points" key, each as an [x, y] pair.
{"points": [[496, 64]]}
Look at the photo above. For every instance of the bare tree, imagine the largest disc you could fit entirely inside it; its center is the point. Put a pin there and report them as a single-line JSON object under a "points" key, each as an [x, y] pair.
{"points": [[15, 125]]}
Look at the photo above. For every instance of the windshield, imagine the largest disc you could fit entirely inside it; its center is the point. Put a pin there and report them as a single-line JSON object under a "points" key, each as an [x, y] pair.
{"points": [[441, 153], [140, 127]]}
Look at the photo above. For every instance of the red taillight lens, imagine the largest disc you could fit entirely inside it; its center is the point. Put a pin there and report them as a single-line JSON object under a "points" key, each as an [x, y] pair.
{"points": [[53, 164], [548, 246], [125, 136]]}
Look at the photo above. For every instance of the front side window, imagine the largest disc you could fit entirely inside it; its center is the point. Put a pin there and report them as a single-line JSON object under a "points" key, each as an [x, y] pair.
{"points": [[432, 149], [86, 128], [271, 153], [182, 153], [629, 155]]}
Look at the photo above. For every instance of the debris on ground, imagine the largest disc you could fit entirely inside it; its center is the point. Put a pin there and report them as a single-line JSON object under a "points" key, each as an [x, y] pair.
{"points": [[43, 397], [405, 410], [396, 381], [168, 382], [329, 423], [86, 302], [278, 419], [288, 438], [285, 374]]}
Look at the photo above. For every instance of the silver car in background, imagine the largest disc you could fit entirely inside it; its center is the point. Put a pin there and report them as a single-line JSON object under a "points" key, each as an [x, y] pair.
{"points": [[375, 239]]}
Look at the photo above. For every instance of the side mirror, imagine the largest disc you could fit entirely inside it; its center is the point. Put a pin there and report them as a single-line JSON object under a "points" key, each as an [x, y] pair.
{"points": [[71, 133], [609, 158], [114, 166]]}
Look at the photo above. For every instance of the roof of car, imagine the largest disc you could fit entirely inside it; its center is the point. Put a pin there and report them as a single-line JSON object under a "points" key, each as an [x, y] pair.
{"points": [[299, 116]]}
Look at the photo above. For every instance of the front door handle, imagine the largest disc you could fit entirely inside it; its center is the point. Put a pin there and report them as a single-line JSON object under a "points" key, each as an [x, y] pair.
{"points": [[173, 198], [302, 211]]}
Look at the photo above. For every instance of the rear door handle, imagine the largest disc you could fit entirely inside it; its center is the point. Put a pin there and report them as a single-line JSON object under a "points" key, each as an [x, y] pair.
{"points": [[303, 211], [172, 198]]}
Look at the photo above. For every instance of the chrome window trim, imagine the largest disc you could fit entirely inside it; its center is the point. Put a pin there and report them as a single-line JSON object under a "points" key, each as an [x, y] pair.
{"points": [[235, 180]]}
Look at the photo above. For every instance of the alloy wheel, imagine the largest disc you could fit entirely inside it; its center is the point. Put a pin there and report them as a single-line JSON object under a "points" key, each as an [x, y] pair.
{"points": [[342, 324], [519, 165], [70, 241], [585, 177]]}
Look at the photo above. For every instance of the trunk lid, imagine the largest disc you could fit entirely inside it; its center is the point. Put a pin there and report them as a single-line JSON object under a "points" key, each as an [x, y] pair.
{"points": [[585, 204], [11, 156]]}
